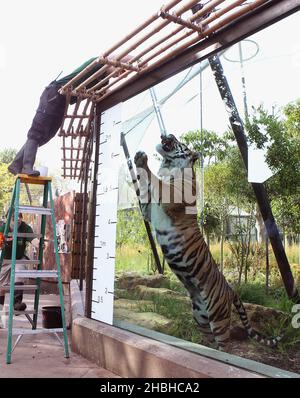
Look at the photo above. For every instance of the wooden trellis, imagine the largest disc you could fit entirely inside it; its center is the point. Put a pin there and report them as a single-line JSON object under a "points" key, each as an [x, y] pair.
{"points": [[167, 33]]}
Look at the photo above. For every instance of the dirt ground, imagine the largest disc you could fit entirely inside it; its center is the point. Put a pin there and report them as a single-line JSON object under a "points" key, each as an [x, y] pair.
{"points": [[289, 360]]}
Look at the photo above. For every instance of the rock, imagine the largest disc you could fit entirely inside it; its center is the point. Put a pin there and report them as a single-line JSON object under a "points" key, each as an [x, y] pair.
{"points": [[148, 320], [129, 280], [149, 293], [133, 305], [120, 293], [258, 316]]}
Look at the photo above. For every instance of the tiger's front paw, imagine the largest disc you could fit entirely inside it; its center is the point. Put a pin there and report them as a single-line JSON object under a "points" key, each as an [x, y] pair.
{"points": [[141, 160]]}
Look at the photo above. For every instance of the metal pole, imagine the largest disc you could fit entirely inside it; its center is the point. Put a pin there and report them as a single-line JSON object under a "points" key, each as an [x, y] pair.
{"points": [[243, 81], [159, 117], [147, 225], [259, 189]]}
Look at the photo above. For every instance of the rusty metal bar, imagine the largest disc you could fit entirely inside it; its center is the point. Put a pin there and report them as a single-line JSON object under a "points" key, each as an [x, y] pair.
{"points": [[64, 153], [205, 33], [244, 10], [143, 67], [181, 21], [85, 154], [156, 58], [118, 64], [71, 128], [132, 47], [87, 128], [84, 115], [150, 34], [249, 24], [206, 9], [140, 28]]}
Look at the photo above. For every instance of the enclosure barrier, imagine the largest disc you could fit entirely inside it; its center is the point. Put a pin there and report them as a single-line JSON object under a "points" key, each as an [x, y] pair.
{"points": [[167, 33]]}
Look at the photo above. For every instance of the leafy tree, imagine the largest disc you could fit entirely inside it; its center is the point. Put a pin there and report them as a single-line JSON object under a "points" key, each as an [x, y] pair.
{"points": [[213, 147], [280, 134], [7, 155], [130, 228], [6, 187], [216, 193]]}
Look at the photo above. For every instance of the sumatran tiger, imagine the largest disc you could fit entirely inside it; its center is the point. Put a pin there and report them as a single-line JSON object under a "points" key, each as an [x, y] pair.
{"points": [[173, 216]]}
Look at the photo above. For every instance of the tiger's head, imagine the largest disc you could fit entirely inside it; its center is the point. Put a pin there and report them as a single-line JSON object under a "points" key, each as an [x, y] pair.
{"points": [[176, 154]]}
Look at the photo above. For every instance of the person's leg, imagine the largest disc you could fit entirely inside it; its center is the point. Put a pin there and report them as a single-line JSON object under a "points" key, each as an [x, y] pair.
{"points": [[30, 151], [18, 296], [17, 164], [2, 298], [4, 280]]}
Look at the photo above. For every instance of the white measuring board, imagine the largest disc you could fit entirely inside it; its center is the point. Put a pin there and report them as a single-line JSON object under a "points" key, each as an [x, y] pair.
{"points": [[106, 216]]}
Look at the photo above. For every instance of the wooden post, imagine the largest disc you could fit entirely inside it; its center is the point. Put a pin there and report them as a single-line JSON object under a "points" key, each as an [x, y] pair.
{"points": [[259, 189]]}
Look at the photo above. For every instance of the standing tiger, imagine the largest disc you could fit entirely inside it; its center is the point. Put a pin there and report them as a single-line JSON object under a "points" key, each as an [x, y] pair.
{"points": [[182, 243]]}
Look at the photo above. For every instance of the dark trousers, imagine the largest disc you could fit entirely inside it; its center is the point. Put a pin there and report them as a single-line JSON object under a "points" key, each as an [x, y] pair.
{"points": [[45, 124], [49, 115]]}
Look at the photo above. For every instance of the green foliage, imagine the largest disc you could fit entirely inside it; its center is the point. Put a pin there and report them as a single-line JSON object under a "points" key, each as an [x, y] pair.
{"points": [[6, 187], [280, 135], [7, 155], [255, 293], [292, 114], [211, 145], [131, 228], [210, 218]]}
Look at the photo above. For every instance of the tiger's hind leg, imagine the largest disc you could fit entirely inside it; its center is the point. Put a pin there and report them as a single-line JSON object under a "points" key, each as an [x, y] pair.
{"points": [[199, 308], [203, 324], [221, 332]]}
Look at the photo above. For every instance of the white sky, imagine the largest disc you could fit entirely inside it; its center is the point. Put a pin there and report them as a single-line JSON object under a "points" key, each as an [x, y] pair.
{"points": [[39, 39]]}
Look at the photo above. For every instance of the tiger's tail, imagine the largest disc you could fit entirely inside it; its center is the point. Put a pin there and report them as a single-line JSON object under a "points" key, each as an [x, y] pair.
{"points": [[252, 333]]}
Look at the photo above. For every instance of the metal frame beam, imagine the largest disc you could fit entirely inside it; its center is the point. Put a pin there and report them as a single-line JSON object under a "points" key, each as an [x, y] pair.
{"points": [[259, 19]]}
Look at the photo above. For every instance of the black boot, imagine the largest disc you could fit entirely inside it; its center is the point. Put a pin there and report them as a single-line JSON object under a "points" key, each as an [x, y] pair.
{"points": [[18, 298], [30, 151], [17, 164]]}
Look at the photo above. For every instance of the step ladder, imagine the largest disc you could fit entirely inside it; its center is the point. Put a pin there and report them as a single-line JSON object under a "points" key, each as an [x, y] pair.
{"points": [[15, 208]]}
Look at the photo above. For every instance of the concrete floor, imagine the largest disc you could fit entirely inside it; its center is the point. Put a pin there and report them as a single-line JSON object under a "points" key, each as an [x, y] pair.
{"points": [[42, 356]]}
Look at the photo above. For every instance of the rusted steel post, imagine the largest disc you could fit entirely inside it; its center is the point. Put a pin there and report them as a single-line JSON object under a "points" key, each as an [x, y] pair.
{"points": [[259, 189]]}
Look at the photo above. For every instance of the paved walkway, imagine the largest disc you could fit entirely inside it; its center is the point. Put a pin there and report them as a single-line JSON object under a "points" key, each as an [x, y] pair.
{"points": [[42, 356]]}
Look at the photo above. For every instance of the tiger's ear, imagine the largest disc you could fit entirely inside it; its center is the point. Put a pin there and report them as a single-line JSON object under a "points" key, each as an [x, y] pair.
{"points": [[196, 156]]}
